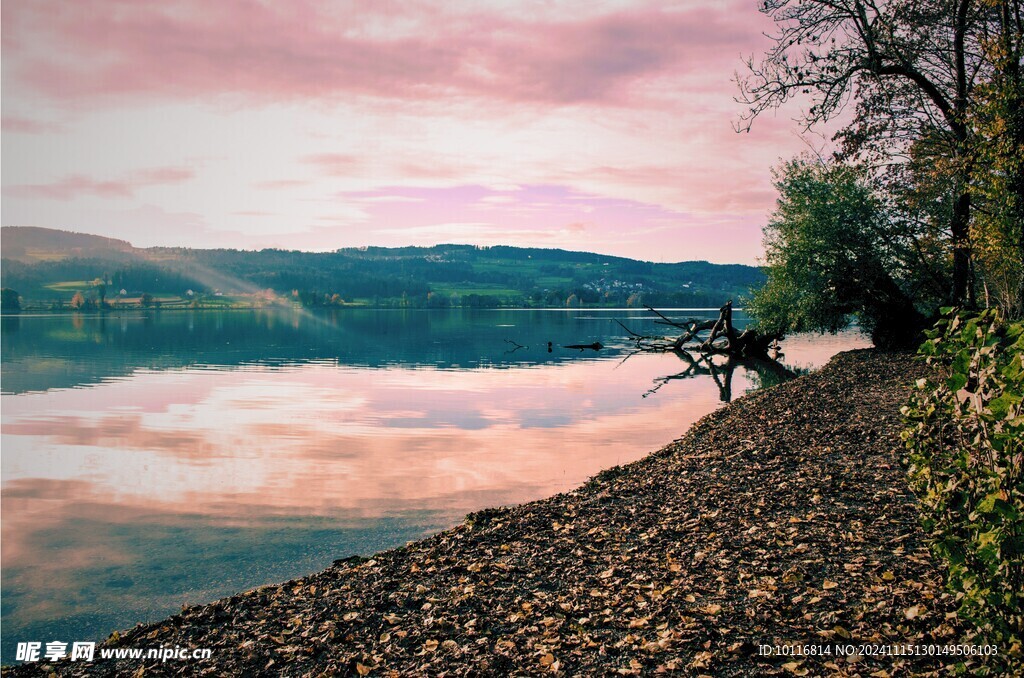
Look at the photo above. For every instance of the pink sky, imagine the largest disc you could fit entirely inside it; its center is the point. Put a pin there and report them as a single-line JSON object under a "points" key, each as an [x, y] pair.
{"points": [[601, 126]]}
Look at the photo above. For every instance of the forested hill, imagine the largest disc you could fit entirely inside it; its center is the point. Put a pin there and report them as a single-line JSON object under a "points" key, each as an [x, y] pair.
{"points": [[49, 267]]}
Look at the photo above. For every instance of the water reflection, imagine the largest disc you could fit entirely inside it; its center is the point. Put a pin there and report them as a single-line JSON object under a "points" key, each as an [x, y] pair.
{"points": [[720, 369], [54, 351], [181, 472]]}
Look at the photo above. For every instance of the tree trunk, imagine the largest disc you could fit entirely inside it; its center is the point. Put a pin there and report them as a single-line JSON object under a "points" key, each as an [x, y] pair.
{"points": [[748, 344], [962, 293], [894, 321]]}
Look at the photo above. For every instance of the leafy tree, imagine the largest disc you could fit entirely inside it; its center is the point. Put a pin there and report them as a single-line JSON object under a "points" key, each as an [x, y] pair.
{"points": [[938, 128], [912, 68], [998, 166], [77, 301], [480, 301], [101, 291], [438, 300], [9, 300], [830, 254], [965, 443]]}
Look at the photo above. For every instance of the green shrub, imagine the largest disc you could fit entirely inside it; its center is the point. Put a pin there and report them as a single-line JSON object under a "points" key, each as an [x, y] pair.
{"points": [[966, 441]]}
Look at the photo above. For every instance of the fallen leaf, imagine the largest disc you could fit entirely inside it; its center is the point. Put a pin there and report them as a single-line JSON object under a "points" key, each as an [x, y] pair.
{"points": [[795, 668]]}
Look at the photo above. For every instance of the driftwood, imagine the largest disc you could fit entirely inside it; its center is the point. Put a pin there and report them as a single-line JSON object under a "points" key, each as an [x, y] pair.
{"points": [[722, 337], [748, 349], [749, 344], [515, 346], [596, 346]]}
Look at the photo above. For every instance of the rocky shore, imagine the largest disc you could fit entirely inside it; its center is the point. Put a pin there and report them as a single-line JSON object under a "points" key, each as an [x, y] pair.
{"points": [[781, 519]]}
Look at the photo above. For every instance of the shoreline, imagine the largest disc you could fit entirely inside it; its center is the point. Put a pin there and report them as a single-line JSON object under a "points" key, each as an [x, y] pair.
{"points": [[33, 312], [784, 516]]}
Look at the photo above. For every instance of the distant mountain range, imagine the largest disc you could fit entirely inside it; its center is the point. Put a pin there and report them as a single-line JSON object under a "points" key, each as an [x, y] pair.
{"points": [[48, 267]]}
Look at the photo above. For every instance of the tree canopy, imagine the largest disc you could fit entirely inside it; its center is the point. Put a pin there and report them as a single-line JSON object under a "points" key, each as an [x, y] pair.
{"points": [[935, 135], [9, 300], [830, 253]]}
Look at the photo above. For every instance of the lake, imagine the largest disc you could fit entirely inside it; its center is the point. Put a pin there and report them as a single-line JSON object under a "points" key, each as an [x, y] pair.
{"points": [[152, 460]]}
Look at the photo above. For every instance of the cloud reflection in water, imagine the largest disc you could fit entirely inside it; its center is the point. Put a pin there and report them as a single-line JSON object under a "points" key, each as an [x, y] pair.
{"points": [[123, 500]]}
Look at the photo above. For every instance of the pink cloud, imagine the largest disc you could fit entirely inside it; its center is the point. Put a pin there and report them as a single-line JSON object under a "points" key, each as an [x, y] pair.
{"points": [[739, 189], [549, 216], [161, 175], [335, 164], [72, 186], [275, 184], [76, 185], [602, 59], [28, 126], [99, 48]]}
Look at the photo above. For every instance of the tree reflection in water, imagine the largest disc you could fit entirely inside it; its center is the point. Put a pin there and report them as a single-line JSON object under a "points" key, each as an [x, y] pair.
{"points": [[762, 372]]}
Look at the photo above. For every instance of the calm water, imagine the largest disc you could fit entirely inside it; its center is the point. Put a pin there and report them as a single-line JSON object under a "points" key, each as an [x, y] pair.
{"points": [[155, 460]]}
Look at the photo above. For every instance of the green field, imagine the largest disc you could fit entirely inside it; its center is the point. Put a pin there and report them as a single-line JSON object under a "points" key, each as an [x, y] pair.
{"points": [[70, 286], [464, 289]]}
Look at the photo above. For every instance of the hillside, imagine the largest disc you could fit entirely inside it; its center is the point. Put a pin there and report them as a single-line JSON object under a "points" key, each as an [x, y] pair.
{"points": [[30, 245], [48, 267]]}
